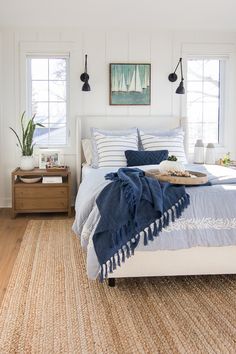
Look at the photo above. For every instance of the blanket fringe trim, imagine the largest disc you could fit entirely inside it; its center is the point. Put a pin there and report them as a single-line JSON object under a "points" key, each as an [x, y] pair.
{"points": [[149, 233]]}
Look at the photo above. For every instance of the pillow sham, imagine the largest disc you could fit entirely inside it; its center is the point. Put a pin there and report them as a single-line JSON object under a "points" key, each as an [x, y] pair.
{"points": [[173, 143], [123, 132], [111, 149], [162, 132], [139, 158], [87, 150]]}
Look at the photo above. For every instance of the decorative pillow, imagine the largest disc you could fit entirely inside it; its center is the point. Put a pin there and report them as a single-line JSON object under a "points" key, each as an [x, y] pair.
{"points": [[110, 133], [87, 150], [173, 143], [139, 158], [111, 149]]}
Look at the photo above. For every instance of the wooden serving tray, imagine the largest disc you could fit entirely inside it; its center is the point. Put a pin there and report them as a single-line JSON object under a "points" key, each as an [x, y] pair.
{"points": [[201, 178]]}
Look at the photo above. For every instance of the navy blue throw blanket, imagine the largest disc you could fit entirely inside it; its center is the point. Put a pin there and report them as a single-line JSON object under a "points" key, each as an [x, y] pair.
{"points": [[130, 204]]}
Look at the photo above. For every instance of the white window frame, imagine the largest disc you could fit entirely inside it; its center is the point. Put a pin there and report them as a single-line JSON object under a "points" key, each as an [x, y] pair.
{"points": [[29, 94], [224, 51], [50, 49]]}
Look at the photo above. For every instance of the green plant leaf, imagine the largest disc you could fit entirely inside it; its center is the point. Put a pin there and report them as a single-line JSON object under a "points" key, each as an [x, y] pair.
{"points": [[26, 144]]}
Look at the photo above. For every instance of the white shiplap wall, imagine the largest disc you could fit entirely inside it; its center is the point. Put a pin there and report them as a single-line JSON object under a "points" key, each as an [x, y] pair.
{"points": [[162, 49]]}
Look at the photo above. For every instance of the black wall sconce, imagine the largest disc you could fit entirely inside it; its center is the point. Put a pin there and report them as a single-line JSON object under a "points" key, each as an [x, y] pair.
{"points": [[85, 77], [173, 77]]}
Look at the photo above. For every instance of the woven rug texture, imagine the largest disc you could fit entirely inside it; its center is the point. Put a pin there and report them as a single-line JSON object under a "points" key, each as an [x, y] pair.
{"points": [[51, 307]]}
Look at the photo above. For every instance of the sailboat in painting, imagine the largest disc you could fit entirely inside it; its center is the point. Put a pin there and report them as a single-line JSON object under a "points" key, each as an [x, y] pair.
{"points": [[123, 86], [135, 84]]}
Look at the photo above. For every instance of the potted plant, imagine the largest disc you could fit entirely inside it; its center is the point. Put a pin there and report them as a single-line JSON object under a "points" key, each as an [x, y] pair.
{"points": [[26, 142]]}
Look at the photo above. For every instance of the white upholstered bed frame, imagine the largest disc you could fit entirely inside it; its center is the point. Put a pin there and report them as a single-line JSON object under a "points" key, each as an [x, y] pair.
{"points": [[192, 261]]}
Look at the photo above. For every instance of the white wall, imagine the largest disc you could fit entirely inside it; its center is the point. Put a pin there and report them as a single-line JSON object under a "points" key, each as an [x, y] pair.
{"points": [[162, 49]]}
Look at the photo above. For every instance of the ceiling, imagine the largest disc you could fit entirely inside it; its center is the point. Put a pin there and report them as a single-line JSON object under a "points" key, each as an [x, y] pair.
{"points": [[121, 14]]}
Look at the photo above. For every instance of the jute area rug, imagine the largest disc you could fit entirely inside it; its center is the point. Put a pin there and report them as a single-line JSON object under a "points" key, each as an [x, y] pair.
{"points": [[51, 307]]}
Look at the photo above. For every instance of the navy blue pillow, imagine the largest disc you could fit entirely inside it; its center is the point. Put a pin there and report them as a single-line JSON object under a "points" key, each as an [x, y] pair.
{"points": [[139, 158]]}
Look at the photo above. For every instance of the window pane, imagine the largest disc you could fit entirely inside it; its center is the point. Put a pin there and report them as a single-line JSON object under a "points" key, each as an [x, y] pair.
{"points": [[211, 112], [41, 111], [57, 69], [194, 91], [195, 69], [57, 90], [195, 132], [57, 134], [58, 112], [210, 133], [39, 69], [39, 91], [41, 136], [212, 69], [195, 112], [211, 91]]}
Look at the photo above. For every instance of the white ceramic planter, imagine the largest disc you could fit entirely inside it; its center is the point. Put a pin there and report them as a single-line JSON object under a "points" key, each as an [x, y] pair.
{"points": [[210, 157], [27, 163], [167, 165]]}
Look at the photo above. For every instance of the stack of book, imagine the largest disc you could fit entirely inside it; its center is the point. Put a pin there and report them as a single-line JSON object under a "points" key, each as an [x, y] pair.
{"points": [[52, 179]]}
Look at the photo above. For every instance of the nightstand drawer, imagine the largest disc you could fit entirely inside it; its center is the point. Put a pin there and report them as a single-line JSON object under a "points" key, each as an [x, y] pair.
{"points": [[42, 192], [41, 204]]}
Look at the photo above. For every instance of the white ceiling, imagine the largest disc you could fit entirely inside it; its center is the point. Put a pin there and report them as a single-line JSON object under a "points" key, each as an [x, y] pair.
{"points": [[148, 14]]}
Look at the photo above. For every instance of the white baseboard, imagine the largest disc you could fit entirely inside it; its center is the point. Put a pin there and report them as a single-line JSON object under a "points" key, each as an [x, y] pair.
{"points": [[5, 202]]}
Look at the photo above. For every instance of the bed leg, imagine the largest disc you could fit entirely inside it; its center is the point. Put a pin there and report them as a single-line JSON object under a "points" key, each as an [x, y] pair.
{"points": [[111, 282]]}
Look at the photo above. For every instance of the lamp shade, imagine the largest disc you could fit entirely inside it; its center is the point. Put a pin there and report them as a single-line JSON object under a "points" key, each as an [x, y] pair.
{"points": [[180, 89], [86, 86]]}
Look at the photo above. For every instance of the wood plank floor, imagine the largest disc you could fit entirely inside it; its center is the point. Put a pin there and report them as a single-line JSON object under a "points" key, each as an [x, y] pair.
{"points": [[11, 234]]}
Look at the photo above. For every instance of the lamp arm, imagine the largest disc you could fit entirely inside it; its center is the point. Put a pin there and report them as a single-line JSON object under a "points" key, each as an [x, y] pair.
{"points": [[179, 62], [85, 69], [181, 69]]}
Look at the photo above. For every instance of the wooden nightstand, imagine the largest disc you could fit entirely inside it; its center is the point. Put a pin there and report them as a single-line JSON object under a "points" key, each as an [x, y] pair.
{"points": [[41, 197]]}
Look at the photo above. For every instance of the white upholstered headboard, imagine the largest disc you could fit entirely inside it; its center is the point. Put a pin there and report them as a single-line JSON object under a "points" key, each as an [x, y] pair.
{"points": [[84, 123]]}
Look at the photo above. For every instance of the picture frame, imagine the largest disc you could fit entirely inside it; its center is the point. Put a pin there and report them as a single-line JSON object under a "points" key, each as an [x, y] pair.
{"points": [[130, 84], [49, 158]]}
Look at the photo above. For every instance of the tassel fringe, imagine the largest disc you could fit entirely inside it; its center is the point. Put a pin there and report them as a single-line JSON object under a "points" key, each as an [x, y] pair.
{"points": [[149, 233]]}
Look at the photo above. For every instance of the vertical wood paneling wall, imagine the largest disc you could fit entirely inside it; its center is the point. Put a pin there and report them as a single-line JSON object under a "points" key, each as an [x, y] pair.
{"points": [[162, 49]]}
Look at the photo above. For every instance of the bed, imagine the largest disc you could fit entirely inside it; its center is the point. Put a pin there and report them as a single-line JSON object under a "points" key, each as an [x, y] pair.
{"points": [[202, 241]]}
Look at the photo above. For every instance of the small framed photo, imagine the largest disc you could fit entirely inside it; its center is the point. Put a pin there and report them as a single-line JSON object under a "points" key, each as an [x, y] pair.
{"points": [[49, 158]]}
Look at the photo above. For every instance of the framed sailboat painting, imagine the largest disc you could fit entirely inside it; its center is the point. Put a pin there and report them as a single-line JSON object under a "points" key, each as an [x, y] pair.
{"points": [[130, 84]]}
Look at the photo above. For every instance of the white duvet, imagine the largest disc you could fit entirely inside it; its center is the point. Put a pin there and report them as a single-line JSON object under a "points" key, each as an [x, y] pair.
{"points": [[210, 220]]}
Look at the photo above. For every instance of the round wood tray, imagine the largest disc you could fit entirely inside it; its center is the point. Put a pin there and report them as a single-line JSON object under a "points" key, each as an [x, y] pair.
{"points": [[201, 178]]}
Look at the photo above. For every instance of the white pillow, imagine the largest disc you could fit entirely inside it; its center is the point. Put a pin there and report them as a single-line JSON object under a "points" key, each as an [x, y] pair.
{"points": [[174, 143], [111, 149], [88, 150]]}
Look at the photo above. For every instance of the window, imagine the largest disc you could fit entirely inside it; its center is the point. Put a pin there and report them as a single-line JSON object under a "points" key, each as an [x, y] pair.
{"points": [[48, 98], [205, 88]]}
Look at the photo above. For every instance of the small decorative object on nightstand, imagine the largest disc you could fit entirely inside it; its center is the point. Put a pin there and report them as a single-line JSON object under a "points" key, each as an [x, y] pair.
{"points": [[41, 197]]}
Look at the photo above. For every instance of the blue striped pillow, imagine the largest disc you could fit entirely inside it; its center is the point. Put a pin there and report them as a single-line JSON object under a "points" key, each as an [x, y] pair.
{"points": [[111, 149], [173, 143]]}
